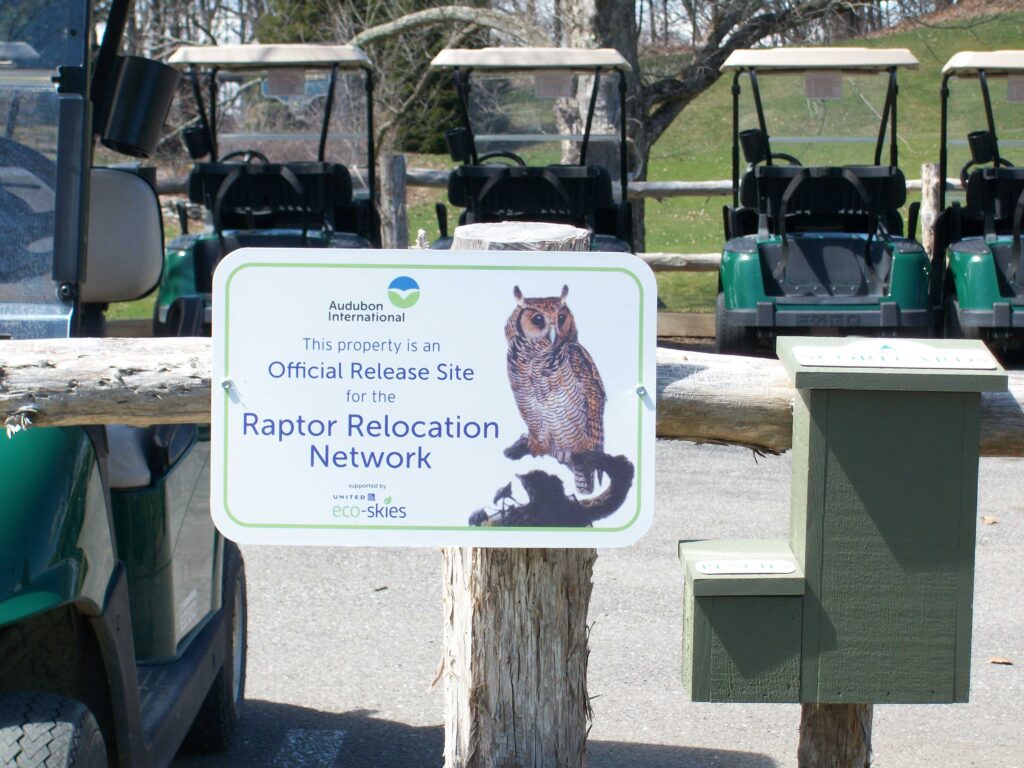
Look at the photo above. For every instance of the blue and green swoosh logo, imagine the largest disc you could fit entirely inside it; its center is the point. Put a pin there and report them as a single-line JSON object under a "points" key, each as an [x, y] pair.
{"points": [[403, 292]]}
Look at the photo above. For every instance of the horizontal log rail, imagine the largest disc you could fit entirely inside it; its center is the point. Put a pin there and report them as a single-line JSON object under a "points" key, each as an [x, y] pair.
{"points": [[702, 397], [638, 190]]}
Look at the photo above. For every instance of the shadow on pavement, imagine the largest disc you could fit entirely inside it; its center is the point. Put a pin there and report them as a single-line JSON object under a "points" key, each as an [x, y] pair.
{"points": [[275, 735]]}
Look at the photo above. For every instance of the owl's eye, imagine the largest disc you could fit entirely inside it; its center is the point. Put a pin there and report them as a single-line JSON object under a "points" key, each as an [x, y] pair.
{"points": [[538, 320], [562, 317]]}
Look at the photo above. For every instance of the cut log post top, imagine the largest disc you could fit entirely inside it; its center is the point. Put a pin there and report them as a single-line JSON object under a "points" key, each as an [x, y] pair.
{"points": [[520, 236], [702, 398]]}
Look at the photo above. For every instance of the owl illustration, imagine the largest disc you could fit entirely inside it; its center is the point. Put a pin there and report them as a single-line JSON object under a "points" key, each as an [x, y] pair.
{"points": [[556, 385]]}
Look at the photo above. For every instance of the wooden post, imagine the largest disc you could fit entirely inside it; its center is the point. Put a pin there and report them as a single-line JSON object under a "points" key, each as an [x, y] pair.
{"points": [[835, 736], [515, 637], [930, 191], [394, 221]]}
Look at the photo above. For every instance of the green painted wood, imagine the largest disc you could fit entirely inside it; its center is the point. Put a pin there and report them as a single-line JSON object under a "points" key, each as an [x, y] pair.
{"points": [[907, 379], [754, 648], [888, 546], [692, 552], [741, 633]]}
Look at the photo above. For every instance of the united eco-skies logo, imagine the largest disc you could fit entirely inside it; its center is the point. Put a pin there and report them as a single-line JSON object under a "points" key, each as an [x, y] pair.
{"points": [[403, 292]]}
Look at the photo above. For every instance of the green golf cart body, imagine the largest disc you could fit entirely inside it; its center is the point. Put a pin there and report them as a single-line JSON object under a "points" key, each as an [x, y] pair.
{"points": [[543, 138], [122, 611], [287, 136], [816, 243], [978, 243]]}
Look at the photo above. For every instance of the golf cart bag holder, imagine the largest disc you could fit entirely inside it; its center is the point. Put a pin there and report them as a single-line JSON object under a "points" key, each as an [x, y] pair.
{"points": [[580, 195]]}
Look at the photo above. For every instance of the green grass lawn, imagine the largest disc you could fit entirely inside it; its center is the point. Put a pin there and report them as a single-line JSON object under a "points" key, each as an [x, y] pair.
{"points": [[697, 147]]}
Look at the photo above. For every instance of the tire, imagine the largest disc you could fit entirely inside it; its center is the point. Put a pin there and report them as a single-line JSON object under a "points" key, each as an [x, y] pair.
{"points": [[732, 339], [217, 718], [953, 329], [47, 731]]}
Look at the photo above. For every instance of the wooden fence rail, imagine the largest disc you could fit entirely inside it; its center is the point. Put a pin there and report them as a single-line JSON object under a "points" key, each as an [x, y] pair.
{"points": [[701, 397]]}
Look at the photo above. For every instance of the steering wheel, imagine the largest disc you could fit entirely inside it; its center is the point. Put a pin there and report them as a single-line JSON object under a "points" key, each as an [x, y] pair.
{"points": [[503, 155], [790, 160], [247, 155], [1001, 162]]}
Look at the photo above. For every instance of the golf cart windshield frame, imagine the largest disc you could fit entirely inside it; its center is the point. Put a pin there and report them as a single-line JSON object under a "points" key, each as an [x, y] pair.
{"points": [[207, 119], [887, 123], [966, 65], [461, 73]]}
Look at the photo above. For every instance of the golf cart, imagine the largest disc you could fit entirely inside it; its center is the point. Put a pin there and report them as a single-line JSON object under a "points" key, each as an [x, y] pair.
{"points": [[543, 138], [815, 241], [287, 131], [122, 611], [980, 285]]}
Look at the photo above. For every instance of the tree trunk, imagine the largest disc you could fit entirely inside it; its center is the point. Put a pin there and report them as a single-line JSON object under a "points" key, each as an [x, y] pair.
{"points": [[515, 655], [835, 736], [394, 220]]}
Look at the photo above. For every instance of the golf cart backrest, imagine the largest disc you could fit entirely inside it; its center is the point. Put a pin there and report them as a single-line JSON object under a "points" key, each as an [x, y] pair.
{"points": [[122, 263], [570, 194], [991, 201], [826, 198], [995, 192], [259, 195]]}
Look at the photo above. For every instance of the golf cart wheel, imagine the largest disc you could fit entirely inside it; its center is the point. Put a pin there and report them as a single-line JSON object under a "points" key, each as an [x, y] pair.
{"points": [[953, 327], [48, 731], [217, 718], [732, 339]]}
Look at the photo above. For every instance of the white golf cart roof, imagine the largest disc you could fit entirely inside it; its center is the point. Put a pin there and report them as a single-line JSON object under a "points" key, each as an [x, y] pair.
{"points": [[802, 59], [578, 59], [993, 62], [259, 56]]}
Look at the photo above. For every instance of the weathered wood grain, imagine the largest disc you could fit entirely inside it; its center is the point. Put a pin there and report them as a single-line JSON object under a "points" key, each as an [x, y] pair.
{"points": [[702, 397]]}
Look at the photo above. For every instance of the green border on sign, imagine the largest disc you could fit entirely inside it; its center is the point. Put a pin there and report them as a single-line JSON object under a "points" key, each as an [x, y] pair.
{"points": [[484, 267]]}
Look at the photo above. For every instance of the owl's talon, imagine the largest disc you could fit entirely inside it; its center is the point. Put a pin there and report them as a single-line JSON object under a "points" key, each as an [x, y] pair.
{"points": [[518, 449]]}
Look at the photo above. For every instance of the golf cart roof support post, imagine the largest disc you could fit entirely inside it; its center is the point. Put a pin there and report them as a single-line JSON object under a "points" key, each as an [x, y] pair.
{"points": [[623, 163], [736, 138], [197, 94], [893, 136], [762, 124], [462, 94], [214, 151], [590, 115], [371, 159], [888, 112], [106, 61], [328, 108], [943, 136], [986, 97], [74, 150]]}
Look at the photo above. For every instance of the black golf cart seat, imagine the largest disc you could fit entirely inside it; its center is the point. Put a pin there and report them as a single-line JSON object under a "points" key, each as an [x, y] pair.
{"points": [[247, 199], [833, 226], [994, 202], [561, 194]]}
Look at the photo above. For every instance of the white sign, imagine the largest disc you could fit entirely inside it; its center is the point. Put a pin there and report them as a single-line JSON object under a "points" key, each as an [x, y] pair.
{"points": [[743, 567], [824, 84], [1015, 89], [894, 353], [433, 398]]}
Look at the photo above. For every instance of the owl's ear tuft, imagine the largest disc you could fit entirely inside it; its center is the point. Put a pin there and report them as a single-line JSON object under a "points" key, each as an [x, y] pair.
{"points": [[565, 292], [519, 295]]}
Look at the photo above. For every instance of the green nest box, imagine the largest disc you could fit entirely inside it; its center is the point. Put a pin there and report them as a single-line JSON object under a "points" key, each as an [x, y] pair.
{"points": [[870, 599]]}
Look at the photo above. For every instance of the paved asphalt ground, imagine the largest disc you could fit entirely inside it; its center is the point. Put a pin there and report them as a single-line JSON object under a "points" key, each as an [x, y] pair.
{"points": [[344, 645]]}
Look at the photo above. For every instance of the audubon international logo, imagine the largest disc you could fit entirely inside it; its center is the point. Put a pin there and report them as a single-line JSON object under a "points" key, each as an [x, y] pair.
{"points": [[403, 292]]}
